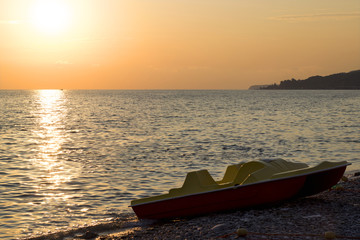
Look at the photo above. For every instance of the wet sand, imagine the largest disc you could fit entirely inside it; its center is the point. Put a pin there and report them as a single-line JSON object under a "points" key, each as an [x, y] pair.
{"points": [[335, 211]]}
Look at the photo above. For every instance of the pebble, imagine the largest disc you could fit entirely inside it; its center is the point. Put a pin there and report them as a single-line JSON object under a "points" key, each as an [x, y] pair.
{"points": [[241, 232], [89, 235], [330, 235], [219, 227]]}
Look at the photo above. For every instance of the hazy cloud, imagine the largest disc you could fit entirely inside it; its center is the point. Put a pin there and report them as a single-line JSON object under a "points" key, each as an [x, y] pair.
{"points": [[315, 17]]}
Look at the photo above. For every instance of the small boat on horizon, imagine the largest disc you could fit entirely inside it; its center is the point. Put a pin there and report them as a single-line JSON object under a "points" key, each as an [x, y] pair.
{"points": [[243, 185]]}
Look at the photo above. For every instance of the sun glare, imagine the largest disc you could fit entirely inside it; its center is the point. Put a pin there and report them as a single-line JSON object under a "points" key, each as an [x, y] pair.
{"points": [[50, 16]]}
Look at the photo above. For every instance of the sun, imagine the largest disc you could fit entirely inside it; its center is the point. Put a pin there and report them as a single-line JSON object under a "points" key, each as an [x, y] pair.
{"points": [[50, 16]]}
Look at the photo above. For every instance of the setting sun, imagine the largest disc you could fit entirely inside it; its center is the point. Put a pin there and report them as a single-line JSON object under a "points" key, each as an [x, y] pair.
{"points": [[50, 16]]}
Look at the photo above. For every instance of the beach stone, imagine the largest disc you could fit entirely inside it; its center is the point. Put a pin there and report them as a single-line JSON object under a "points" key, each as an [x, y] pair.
{"points": [[330, 235], [89, 235], [241, 232], [219, 227]]}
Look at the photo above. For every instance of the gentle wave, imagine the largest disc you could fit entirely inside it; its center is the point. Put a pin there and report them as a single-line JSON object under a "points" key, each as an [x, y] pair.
{"points": [[69, 158]]}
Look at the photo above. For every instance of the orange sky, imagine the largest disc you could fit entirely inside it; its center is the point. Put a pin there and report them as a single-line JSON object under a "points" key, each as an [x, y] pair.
{"points": [[177, 44]]}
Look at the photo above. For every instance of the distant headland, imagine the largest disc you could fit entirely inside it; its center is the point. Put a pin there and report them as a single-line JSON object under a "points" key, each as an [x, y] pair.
{"points": [[350, 80]]}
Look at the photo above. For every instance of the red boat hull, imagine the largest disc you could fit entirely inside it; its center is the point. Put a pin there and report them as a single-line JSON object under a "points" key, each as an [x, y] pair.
{"points": [[240, 196], [321, 181], [226, 199]]}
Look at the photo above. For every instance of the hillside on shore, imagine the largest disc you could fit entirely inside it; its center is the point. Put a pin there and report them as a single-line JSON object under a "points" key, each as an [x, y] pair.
{"points": [[350, 80]]}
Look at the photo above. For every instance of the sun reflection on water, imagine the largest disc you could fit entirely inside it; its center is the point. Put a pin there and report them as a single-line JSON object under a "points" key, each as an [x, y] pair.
{"points": [[53, 170]]}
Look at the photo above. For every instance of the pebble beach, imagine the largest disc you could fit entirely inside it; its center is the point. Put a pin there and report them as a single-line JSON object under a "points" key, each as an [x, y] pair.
{"points": [[333, 214]]}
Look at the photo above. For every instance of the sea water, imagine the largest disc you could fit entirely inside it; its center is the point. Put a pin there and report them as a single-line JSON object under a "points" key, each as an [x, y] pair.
{"points": [[75, 158]]}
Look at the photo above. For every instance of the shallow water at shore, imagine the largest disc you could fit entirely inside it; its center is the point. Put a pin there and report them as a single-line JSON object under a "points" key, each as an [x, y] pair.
{"points": [[71, 158]]}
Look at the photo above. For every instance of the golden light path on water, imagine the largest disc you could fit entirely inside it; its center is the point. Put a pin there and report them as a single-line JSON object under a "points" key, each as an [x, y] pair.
{"points": [[52, 171]]}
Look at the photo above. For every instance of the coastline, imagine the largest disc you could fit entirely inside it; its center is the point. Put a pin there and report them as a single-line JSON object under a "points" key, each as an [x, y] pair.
{"points": [[336, 210]]}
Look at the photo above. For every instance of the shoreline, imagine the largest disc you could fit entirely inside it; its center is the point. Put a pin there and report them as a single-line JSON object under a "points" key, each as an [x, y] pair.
{"points": [[336, 210]]}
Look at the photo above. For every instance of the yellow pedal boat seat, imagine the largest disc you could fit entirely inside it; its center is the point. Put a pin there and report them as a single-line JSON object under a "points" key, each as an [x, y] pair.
{"points": [[237, 174]]}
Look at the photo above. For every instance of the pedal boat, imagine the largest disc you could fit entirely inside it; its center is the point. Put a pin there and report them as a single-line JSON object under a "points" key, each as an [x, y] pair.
{"points": [[244, 185]]}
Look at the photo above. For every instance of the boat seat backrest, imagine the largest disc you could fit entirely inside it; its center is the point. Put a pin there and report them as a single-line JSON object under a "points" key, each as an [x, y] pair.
{"points": [[261, 175], [283, 165], [246, 169], [306, 170], [230, 173], [327, 164], [272, 168], [197, 181]]}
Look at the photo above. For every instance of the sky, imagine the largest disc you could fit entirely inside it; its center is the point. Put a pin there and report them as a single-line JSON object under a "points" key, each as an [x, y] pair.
{"points": [[177, 44]]}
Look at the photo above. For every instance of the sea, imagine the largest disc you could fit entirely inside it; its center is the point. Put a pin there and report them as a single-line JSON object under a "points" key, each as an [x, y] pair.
{"points": [[75, 158]]}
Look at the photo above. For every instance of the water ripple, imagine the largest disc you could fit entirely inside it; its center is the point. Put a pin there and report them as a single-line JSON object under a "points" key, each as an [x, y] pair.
{"points": [[69, 158]]}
